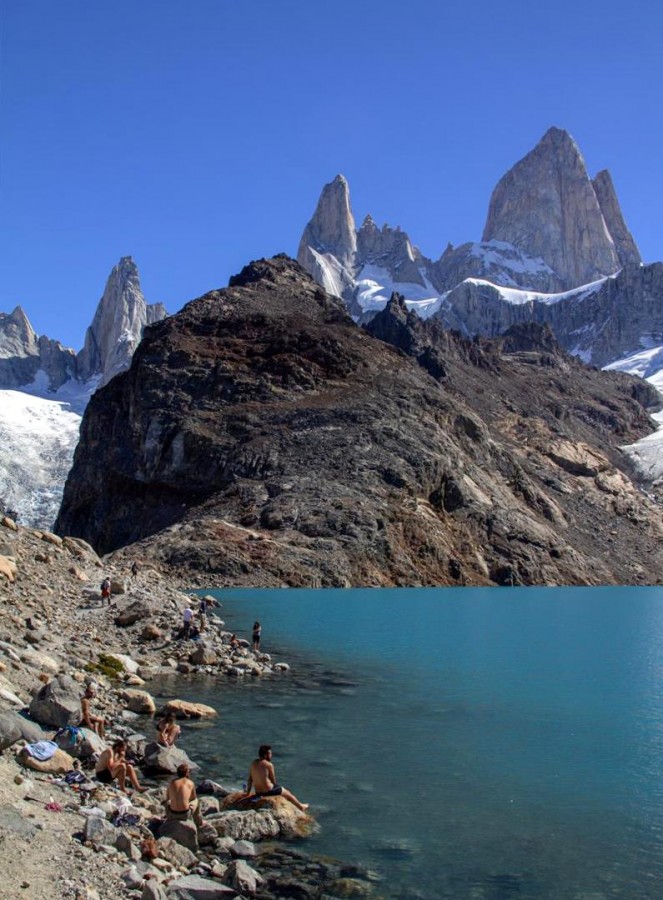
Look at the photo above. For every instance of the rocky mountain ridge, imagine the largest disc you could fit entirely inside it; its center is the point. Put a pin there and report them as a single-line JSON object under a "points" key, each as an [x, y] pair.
{"points": [[261, 437], [44, 388], [28, 360], [553, 238]]}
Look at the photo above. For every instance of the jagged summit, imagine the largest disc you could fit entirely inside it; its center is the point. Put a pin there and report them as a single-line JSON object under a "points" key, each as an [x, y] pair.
{"points": [[547, 206], [118, 324]]}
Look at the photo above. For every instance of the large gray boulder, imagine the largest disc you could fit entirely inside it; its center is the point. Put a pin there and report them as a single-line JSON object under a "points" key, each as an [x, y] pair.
{"points": [[177, 853], [165, 760], [99, 831], [242, 878], [193, 887], [30, 731], [182, 832], [57, 703], [9, 731]]}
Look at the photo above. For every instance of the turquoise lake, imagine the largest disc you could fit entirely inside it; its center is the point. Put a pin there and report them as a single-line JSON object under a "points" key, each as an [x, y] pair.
{"points": [[461, 742]]}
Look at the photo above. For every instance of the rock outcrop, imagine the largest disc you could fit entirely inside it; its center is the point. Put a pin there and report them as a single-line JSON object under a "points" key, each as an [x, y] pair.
{"points": [[118, 324], [23, 354], [260, 437], [547, 206]]}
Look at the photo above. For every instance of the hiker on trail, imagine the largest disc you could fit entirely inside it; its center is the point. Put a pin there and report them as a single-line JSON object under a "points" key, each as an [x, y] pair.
{"points": [[257, 631], [94, 723], [105, 590], [187, 619], [181, 800], [168, 730], [262, 778], [134, 569], [113, 764]]}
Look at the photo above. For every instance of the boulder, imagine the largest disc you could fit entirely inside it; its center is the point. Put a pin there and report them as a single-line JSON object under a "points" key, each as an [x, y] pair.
{"points": [[194, 887], [152, 890], [243, 850], [58, 764], [185, 710], [290, 821], [151, 633], [128, 664], [209, 805], [139, 702], [40, 661], [99, 830], [133, 613], [51, 538], [256, 825], [203, 656], [125, 845], [206, 835], [8, 569], [165, 760], [118, 586], [10, 697], [176, 853], [89, 743], [57, 703], [9, 731], [8, 522], [30, 731], [242, 878], [184, 833]]}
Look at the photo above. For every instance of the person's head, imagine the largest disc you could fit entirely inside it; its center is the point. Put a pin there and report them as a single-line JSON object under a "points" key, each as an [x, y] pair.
{"points": [[256, 624], [90, 691], [183, 770], [119, 746], [169, 718], [264, 751]]}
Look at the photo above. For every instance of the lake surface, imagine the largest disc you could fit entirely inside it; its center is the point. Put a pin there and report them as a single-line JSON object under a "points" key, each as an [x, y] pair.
{"points": [[465, 743]]}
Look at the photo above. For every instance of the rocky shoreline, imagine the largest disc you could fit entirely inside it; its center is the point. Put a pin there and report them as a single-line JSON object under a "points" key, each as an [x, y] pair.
{"points": [[93, 841]]}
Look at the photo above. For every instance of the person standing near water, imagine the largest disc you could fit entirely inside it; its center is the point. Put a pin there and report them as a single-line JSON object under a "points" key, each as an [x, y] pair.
{"points": [[262, 779], [257, 630]]}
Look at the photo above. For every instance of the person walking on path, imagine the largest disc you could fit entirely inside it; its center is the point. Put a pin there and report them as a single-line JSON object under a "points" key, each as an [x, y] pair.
{"points": [[257, 631], [94, 723], [113, 764], [262, 779], [105, 590]]}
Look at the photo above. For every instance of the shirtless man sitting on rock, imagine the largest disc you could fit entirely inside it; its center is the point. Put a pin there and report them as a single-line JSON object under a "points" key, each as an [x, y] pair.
{"points": [[181, 800], [94, 723], [262, 778]]}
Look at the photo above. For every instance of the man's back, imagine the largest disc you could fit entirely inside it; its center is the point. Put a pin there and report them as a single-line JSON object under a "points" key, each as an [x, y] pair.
{"points": [[262, 775], [181, 791]]}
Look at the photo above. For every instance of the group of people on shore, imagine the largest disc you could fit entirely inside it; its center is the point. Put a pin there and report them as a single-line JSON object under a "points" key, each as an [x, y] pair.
{"points": [[181, 799]]}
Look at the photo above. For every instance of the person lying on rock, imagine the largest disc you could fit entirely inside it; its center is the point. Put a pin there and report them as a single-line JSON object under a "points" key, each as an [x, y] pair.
{"points": [[94, 723], [262, 778], [168, 730], [113, 764], [181, 800]]}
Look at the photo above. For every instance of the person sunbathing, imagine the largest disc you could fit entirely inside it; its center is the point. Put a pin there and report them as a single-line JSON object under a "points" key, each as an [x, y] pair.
{"points": [[262, 778], [113, 765], [94, 723]]}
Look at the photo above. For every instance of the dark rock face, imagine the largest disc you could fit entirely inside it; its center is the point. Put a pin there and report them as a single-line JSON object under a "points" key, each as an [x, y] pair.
{"points": [[260, 437]]}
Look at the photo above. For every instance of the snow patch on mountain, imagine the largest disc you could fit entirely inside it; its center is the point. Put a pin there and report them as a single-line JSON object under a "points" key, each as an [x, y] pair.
{"points": [[647, 363], [375, 287], [37, 449], [518, 297]]}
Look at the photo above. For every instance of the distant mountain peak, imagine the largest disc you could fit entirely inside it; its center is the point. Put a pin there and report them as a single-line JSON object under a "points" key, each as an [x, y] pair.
{"points": [[547, 206]]}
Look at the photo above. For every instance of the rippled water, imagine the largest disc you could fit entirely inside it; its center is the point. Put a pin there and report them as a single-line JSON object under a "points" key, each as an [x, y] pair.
{"points": [[479, 743]]}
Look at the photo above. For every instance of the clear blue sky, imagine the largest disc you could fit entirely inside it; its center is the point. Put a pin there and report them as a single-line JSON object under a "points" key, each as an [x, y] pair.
{"points": [[197, 135]]}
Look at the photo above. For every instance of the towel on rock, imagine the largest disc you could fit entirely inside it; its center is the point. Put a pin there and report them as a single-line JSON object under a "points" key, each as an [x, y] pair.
{"points": [[42, 750]]}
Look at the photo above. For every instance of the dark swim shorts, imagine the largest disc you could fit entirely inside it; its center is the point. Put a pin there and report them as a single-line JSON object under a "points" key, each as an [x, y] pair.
{"points": [[273, 792], [104, 776]]}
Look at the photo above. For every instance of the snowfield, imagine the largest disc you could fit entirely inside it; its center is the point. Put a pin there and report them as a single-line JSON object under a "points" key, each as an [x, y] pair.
{"points": [[39, 436]]}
